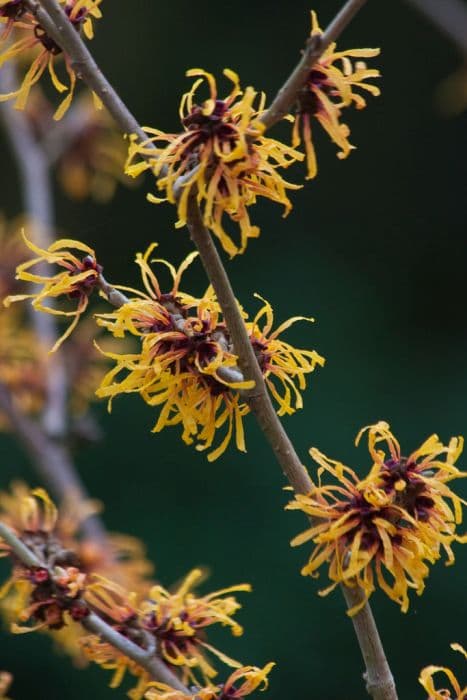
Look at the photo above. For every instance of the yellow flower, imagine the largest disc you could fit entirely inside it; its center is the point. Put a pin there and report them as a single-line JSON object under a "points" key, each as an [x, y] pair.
{"points": [[221, 156], [393, 523], [78, 281], [418, 483], [32, 38], [71, 557], [330, 87], [280, 361], [250, 678], [427, 681], [187, 366], [179, 622]]}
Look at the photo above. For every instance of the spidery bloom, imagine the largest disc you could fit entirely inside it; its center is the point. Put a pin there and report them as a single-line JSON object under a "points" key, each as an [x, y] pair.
{"points": [[32, 40], [282, 364], [79, 279], [56, 537], [187, 365], [179, 621], [221, 157], [119, 609], [387, 528], [46, 597], [426, 679], [242, 682], [418, 484], [330, 87]]}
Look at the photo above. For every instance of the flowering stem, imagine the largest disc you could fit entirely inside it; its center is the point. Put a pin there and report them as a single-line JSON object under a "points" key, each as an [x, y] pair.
{"points": [[93, 623], [258, 397], [380, 683], [449, 16], [315, 46]]}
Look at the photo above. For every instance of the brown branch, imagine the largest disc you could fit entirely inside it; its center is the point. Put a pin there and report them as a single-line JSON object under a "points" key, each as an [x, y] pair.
{"points": [[147, 659], [315, 47], [379, 678], [449, 16]]}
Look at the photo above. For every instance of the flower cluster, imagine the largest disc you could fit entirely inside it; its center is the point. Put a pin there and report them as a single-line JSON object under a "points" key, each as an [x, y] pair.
{"points": [[178, 622], [187, 364], [33, 42], [388, 527], [48, 597], [426, 679], [221, 158], [110, 578], [79, 279], [330, 87], [242, 682]]}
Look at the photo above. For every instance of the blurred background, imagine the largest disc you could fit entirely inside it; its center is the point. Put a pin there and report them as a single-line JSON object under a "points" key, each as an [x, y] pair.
{"points": [[375, 249]]}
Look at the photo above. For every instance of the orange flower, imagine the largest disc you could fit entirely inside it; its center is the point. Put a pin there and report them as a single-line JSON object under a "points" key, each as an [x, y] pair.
{"points": [[253, 679], [330, 87], [386, 528], [35, 40], [78, 281], [221, 157], [426, 679], [187, 365], [180, 620]]}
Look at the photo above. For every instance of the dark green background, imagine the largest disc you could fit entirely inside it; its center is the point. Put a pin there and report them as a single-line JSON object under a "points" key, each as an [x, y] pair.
{"points": [[376, 250]]}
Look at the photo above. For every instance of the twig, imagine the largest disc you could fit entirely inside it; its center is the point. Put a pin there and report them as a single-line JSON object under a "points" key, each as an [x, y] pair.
{"points": [[315, 47], [449, 16], [148, 660], [379, 678]]}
